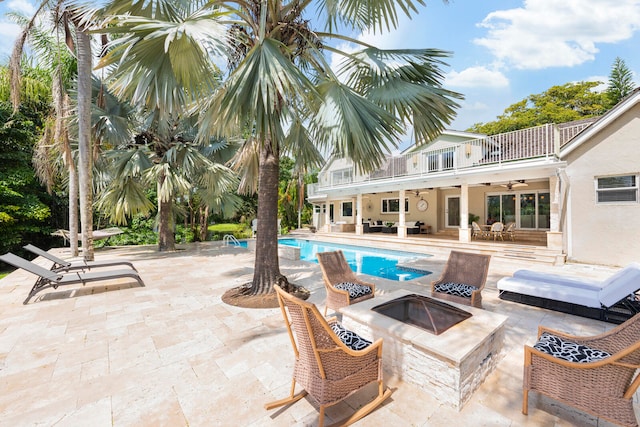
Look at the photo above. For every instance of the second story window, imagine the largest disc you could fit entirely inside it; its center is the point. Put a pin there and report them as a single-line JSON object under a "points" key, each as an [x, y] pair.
{"points": [[622, 188], [342, 176]]}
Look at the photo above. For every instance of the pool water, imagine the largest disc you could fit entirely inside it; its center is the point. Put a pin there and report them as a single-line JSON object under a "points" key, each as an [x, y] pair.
{"points": [[375, 262]]}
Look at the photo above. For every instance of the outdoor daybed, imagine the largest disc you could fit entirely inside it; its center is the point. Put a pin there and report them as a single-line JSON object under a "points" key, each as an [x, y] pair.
{"points": [[612, 300]]}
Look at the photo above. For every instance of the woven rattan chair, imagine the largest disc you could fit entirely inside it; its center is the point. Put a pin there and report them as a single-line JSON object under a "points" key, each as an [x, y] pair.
{"points": [[497, 229], [335, 270], [325, 367], [477, 232], [603, 388], [466, 269], [510, 231]]}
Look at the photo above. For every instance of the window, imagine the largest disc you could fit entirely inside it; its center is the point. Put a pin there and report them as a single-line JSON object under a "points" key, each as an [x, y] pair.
{"points": [[623, 188], [393, 205], [346, 208], [342, 176]]}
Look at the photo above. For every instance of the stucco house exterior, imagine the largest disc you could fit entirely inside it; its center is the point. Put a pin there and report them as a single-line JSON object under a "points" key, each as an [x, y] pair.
{"points": [[573, 186]]}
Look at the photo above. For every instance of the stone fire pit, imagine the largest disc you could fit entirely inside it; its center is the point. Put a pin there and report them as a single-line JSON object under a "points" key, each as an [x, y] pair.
{"points": [[450, 366]]}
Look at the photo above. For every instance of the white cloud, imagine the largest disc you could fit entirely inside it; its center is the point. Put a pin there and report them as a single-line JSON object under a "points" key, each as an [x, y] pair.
{"points": [[551, 33], [476, 77], [21, 6]]}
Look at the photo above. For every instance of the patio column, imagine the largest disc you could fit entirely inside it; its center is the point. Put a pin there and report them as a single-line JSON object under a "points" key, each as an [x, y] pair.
{"points": [[464, 232], [554, 235], [327, 217], [359, 215], [402, 228]]}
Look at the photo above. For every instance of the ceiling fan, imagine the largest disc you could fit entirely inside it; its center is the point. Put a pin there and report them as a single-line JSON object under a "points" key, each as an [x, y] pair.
{"points": [[511, 185], [419, 193]]}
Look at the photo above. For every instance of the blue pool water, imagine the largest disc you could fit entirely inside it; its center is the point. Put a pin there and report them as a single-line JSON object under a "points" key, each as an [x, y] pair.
{"points": [[375, 262]]}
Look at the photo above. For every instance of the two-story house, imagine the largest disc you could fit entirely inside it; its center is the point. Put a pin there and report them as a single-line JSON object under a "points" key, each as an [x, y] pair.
{"points": [[575, 185]]}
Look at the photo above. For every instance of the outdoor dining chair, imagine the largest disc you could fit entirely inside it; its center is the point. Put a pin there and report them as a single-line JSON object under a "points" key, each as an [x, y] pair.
{"points": [[331, 363]]}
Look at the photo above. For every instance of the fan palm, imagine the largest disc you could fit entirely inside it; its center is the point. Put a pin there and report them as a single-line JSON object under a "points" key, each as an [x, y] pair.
{"points": [[282, 87], [161, 67]]}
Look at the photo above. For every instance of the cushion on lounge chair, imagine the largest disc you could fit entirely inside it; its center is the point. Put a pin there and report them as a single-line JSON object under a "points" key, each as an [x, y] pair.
{"points": [[457, 289], [568, 350], [355, 290], [350, 339]]}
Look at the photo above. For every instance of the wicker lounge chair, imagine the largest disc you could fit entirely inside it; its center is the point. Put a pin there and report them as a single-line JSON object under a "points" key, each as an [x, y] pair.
{"points": [[53, 279], [337, 272], [463, 278], [601, 384], [327, 369], [60, 264]]}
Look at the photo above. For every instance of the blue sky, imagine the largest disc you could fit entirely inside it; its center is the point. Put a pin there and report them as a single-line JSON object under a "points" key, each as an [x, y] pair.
{"points": [[502, 50]]}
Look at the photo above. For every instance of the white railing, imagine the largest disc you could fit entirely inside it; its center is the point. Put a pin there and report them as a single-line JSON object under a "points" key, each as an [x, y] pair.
{"points": [[230, 239], [537, 142]]}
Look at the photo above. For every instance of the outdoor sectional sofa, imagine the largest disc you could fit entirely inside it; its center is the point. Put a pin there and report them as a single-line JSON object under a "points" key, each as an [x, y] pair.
{"points": [[612, 300]]}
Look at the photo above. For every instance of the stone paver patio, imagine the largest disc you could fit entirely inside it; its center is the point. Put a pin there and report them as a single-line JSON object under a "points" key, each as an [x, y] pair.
{"points": [[173, 354]]}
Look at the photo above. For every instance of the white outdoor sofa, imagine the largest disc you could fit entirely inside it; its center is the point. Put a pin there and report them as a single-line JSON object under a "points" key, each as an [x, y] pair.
{"points": [[612, 300]]}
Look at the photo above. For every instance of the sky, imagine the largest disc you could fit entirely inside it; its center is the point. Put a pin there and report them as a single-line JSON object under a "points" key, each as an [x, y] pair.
{"points": [[502, 51]]}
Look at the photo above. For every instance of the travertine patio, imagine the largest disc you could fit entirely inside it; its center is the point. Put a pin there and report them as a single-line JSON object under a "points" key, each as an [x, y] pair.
{"points": [[173, 354]]}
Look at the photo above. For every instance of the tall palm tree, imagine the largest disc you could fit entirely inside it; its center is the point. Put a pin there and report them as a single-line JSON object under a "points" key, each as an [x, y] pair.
{"points": [[162, 66], [282, 88], [63, 13]]}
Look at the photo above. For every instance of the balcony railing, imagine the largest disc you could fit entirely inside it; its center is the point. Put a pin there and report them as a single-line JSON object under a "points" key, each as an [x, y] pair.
{"points": [[532, 143]]}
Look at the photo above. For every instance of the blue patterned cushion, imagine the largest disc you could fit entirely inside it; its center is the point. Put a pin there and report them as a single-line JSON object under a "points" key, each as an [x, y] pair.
{"points": [[350, 339], [355, 290], [457, 289], [568, 350]]}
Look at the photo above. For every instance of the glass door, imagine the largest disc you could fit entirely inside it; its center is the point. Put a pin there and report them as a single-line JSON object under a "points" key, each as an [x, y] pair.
{"points": [[452, 214]]}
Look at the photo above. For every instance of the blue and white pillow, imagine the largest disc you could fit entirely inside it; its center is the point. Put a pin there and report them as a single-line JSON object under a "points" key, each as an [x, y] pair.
{"points": [[355, 290], [457, 289], [568, 350], [350, 339]]}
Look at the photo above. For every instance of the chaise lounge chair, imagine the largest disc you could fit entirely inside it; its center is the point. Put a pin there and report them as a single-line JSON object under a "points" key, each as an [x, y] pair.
{"points": [[595, 374], [64, 266], [53, 279], [342, 285], [331, 363], [612, 300]]}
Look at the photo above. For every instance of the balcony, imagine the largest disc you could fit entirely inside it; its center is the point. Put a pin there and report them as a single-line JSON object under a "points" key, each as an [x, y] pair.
{"points": [[541, 142]]}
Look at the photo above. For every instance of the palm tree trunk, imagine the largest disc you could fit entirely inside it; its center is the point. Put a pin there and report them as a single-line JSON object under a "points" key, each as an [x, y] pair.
{"points": [[267, 268], [84, 143], [166, 238], [204, 216], [73, 208]]}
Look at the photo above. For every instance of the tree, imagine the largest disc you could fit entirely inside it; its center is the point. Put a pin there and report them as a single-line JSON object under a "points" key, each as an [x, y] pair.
{"points": [[558, 104], [160, 66], [620, 81], [61, 17], [284, 97]]}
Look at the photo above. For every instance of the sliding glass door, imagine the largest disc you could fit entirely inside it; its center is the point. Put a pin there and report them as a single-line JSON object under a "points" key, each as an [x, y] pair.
{"points": [[528, 210]]}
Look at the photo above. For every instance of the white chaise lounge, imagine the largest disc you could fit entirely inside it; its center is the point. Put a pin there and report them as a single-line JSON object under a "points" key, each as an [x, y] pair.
{"points": [[611, 300]]}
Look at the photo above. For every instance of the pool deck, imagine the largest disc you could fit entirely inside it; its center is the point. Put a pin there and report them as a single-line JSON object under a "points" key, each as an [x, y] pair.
{"points": [[173, 354]]}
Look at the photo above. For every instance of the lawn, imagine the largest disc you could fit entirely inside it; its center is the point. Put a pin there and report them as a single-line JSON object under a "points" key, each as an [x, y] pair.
{"points": [[240, 231]]}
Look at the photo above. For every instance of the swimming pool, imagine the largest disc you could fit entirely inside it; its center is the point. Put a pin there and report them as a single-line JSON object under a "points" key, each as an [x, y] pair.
{"points": [[375, 262]]}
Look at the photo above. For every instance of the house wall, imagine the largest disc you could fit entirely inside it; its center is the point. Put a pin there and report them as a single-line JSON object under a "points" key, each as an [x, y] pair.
{"points": [[604, 233]]}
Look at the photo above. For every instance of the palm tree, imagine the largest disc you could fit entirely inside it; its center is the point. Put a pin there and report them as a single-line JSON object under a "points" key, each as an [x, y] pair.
{"points": [[62, 16], [161, 66], [282, 89]]}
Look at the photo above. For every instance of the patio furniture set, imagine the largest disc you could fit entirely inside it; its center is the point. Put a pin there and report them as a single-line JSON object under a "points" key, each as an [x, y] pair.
{"points": [[413, 227], [594, 374]]}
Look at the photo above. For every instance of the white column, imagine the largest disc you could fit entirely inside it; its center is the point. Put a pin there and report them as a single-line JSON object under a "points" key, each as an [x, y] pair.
{"points": [[359, 215], [402, 228], [554, 235], [327, 218], [464, 233]]}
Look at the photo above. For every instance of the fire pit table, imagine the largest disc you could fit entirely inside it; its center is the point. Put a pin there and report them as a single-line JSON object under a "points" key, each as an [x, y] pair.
{"points": [[450, 361]]}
